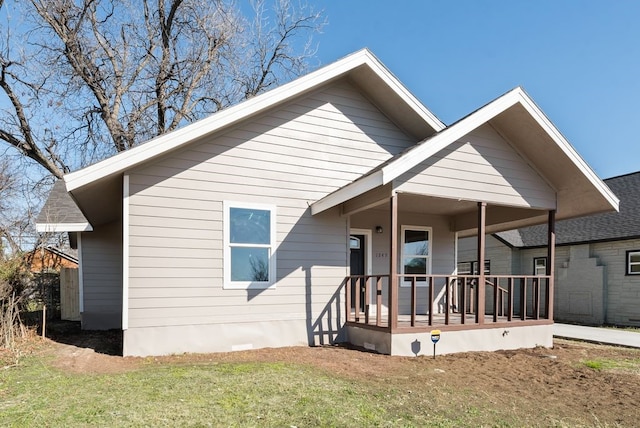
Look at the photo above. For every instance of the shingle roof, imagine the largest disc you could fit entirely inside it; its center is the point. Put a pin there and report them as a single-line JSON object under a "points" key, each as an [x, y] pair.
{"points": [[69, 254], [60, 208], [613, 226]]}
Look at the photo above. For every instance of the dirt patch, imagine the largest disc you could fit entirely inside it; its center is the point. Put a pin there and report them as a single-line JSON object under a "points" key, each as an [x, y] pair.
{"points": [[554, 386], [77, 359]]}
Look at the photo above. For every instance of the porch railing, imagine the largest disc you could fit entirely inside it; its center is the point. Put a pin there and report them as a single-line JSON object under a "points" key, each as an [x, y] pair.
{"points": [[447, 300]]}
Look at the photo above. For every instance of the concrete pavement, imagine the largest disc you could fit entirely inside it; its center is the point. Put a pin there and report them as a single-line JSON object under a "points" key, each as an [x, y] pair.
{"points": [[609, 336]]}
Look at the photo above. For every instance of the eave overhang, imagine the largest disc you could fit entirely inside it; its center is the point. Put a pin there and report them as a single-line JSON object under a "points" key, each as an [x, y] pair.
{"points": [[63, 227]]}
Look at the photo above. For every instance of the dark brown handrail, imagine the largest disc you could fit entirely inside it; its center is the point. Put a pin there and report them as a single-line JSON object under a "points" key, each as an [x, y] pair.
{"points": [[457, 295]]}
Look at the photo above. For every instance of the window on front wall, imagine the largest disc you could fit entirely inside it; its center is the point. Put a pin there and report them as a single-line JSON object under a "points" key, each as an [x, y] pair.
{"points": [[471, 268], [249, 239], [540, 266], [416, 252], [633, 262]]}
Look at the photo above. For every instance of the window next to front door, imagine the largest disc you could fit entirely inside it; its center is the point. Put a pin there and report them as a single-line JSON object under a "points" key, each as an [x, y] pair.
{"points": [[416, 253]]}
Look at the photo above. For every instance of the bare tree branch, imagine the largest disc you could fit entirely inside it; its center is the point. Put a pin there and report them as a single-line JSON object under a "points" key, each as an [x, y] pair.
{"points": [[66, 20], [25, 144], [86, 79]]}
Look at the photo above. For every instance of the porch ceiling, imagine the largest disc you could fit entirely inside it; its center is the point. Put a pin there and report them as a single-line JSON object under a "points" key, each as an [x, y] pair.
{"points": [[463, 214], [433, 205]]}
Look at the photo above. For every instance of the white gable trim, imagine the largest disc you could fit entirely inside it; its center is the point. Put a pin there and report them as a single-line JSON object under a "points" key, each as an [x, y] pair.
{"points": [[63, 227], [412, 158], [434, 144], [165, 143], [568, 149]]}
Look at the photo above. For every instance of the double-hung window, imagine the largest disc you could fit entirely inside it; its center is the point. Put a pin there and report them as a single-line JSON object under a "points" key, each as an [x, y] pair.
{"points": [[540, 266], [416, 253], [471, 268], [633, 262], [249, 245]]}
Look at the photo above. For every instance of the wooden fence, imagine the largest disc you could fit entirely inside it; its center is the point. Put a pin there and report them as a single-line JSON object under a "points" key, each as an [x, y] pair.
{"points": [[69, 294]]}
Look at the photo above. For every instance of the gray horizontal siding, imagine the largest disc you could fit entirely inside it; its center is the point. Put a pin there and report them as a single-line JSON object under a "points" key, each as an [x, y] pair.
{"points": [[102, 272], [481, 166], [287, 158]]}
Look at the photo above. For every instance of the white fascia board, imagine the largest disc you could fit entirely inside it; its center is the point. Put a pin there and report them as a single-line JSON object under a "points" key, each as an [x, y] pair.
{"points": [[542, 119], [167, 142], [347, 192], [446, 137], [63, 227]]}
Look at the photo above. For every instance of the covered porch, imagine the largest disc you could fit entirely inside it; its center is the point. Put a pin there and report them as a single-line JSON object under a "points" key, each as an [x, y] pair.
{"points": [[396, 313], [502, 167]]}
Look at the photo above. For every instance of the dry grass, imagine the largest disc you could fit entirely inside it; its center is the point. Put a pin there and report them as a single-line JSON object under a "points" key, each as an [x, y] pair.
{"points": [[62, 385]]}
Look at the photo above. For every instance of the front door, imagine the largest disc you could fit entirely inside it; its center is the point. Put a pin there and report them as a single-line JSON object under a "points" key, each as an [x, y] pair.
{"points": [[357, 245]]}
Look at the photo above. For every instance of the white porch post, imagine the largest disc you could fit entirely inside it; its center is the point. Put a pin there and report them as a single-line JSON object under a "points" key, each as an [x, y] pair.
{"points": [[480, 291]]}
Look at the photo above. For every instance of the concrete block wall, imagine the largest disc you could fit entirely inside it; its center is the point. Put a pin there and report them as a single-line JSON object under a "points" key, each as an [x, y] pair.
{"points": [[580, 291], [623, 291], [591, 282]]}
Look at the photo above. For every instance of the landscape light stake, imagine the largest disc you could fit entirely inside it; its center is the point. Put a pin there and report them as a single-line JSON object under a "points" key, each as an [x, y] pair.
{"points": [[435, 336]]}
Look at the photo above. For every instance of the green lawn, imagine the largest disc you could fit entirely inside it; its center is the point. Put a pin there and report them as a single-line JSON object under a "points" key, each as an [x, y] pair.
{"points": [[223, 394], [582, 385]]}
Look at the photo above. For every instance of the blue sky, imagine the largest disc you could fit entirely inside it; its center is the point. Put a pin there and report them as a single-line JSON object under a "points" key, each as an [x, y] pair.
{"points": [[579, 60]]}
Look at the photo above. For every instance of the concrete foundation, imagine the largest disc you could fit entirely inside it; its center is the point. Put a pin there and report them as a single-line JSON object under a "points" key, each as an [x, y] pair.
{"points": [[145, 341], [487, 339]]}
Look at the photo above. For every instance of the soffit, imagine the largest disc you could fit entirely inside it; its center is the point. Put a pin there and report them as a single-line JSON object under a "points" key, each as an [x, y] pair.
{"points": [[577, 194]]}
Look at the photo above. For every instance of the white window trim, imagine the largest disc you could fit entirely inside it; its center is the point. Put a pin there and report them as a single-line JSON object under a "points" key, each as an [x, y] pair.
{"points": [[368, 245], [428, 229], [244, 285], [629, 264], [368, 264]]}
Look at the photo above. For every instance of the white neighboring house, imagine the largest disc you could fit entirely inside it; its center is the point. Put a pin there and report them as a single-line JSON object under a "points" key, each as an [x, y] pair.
{"points": [[325, 210], [597, 260]]}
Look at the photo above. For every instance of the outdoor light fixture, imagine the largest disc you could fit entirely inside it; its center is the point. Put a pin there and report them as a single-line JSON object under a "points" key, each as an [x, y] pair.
{"points": [[378, 229]]}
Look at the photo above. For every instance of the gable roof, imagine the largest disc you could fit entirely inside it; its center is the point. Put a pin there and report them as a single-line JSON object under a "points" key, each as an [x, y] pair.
{"points": [[71, 255], [519, 120], [49, 258], [612, 226], [60, 213], [362, 68]]}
